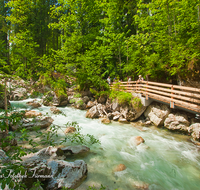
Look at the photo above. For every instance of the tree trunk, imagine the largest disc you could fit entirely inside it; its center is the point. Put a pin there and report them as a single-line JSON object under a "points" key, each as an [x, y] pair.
{"points": [[6, 106]]}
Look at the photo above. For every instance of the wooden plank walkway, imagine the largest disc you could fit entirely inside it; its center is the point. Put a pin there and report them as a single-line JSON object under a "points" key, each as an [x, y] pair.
{"points": [[177, 96]]}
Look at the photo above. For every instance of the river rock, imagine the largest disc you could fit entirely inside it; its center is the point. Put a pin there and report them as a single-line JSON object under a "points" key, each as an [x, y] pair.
{"points": [[101, 110], [177, 122], [62, 100], [102, 99], [115, 106], [36, 170], [50, 99], [136, 140], [110, 116], [124, 111], [55, 110], [119, 168], [123, 120], [40, 122], [78, 149], [136, 113], [34, 104], [194, 130], [85, 99], [66, 174], [31, 113], [157, 113], [140, 185], [56, 174], [90, 104], [92, 112], [79, 104], [3, 157], [18, 94], [105, 120], [146, 123], [116, 115], [70, 130]]}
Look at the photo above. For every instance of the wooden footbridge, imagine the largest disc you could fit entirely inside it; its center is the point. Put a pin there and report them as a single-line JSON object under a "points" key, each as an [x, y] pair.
{"points": [[187, 98]]}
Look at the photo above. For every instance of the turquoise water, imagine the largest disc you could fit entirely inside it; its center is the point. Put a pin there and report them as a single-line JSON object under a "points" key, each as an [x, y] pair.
{"points": [[166, 161]]}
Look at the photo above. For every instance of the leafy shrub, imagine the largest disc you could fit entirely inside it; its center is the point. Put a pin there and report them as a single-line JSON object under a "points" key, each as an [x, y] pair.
{"points": [[117, 87], [77, 95], [72, 101], [121, 97], [136, 102], [36, 94], [98, 94]]}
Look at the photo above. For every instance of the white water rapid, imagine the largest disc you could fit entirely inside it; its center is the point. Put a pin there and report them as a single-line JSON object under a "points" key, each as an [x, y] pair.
{"points": [[166, 161]]}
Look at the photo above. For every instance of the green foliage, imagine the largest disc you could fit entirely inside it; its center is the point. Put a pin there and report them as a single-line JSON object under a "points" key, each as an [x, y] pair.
{"points": [[72, 101], [36, 94], [98, 94], [15, 153], [136, 102], [77, 95], [121, 97], [117, 94]]}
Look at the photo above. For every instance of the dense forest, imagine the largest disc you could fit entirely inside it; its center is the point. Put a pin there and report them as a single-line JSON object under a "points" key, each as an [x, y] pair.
{"points": [[93, 39]]}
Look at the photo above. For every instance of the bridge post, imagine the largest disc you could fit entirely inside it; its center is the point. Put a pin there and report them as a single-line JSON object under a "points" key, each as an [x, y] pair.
{"points": [[147, 96], [172, 102]]}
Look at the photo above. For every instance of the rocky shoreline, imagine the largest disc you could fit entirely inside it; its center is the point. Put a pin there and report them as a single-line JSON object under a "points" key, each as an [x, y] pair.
{"points": [[48, 161]]}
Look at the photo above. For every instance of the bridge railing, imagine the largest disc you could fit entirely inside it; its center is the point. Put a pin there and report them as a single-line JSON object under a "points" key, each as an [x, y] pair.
{"points": [[181, 96]]}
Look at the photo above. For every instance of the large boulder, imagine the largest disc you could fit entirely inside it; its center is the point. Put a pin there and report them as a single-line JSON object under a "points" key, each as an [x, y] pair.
{"points": [[36, 170], [29, 123], [18, 94], [115, 106], [101, 110], [157, 113], [194, 130], [178, 122], [66, 174], [55, 174], [92, 112]]}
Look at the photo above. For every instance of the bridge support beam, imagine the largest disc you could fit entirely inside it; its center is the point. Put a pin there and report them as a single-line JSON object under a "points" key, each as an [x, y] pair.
{"points": [[145, 102]]}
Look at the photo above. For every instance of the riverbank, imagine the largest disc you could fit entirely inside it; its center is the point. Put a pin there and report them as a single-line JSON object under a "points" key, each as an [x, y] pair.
{"points": [[164, 161]]}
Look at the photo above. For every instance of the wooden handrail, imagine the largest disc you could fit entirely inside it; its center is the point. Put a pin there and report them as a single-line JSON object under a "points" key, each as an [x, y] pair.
{"points": [[182, 96]]}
